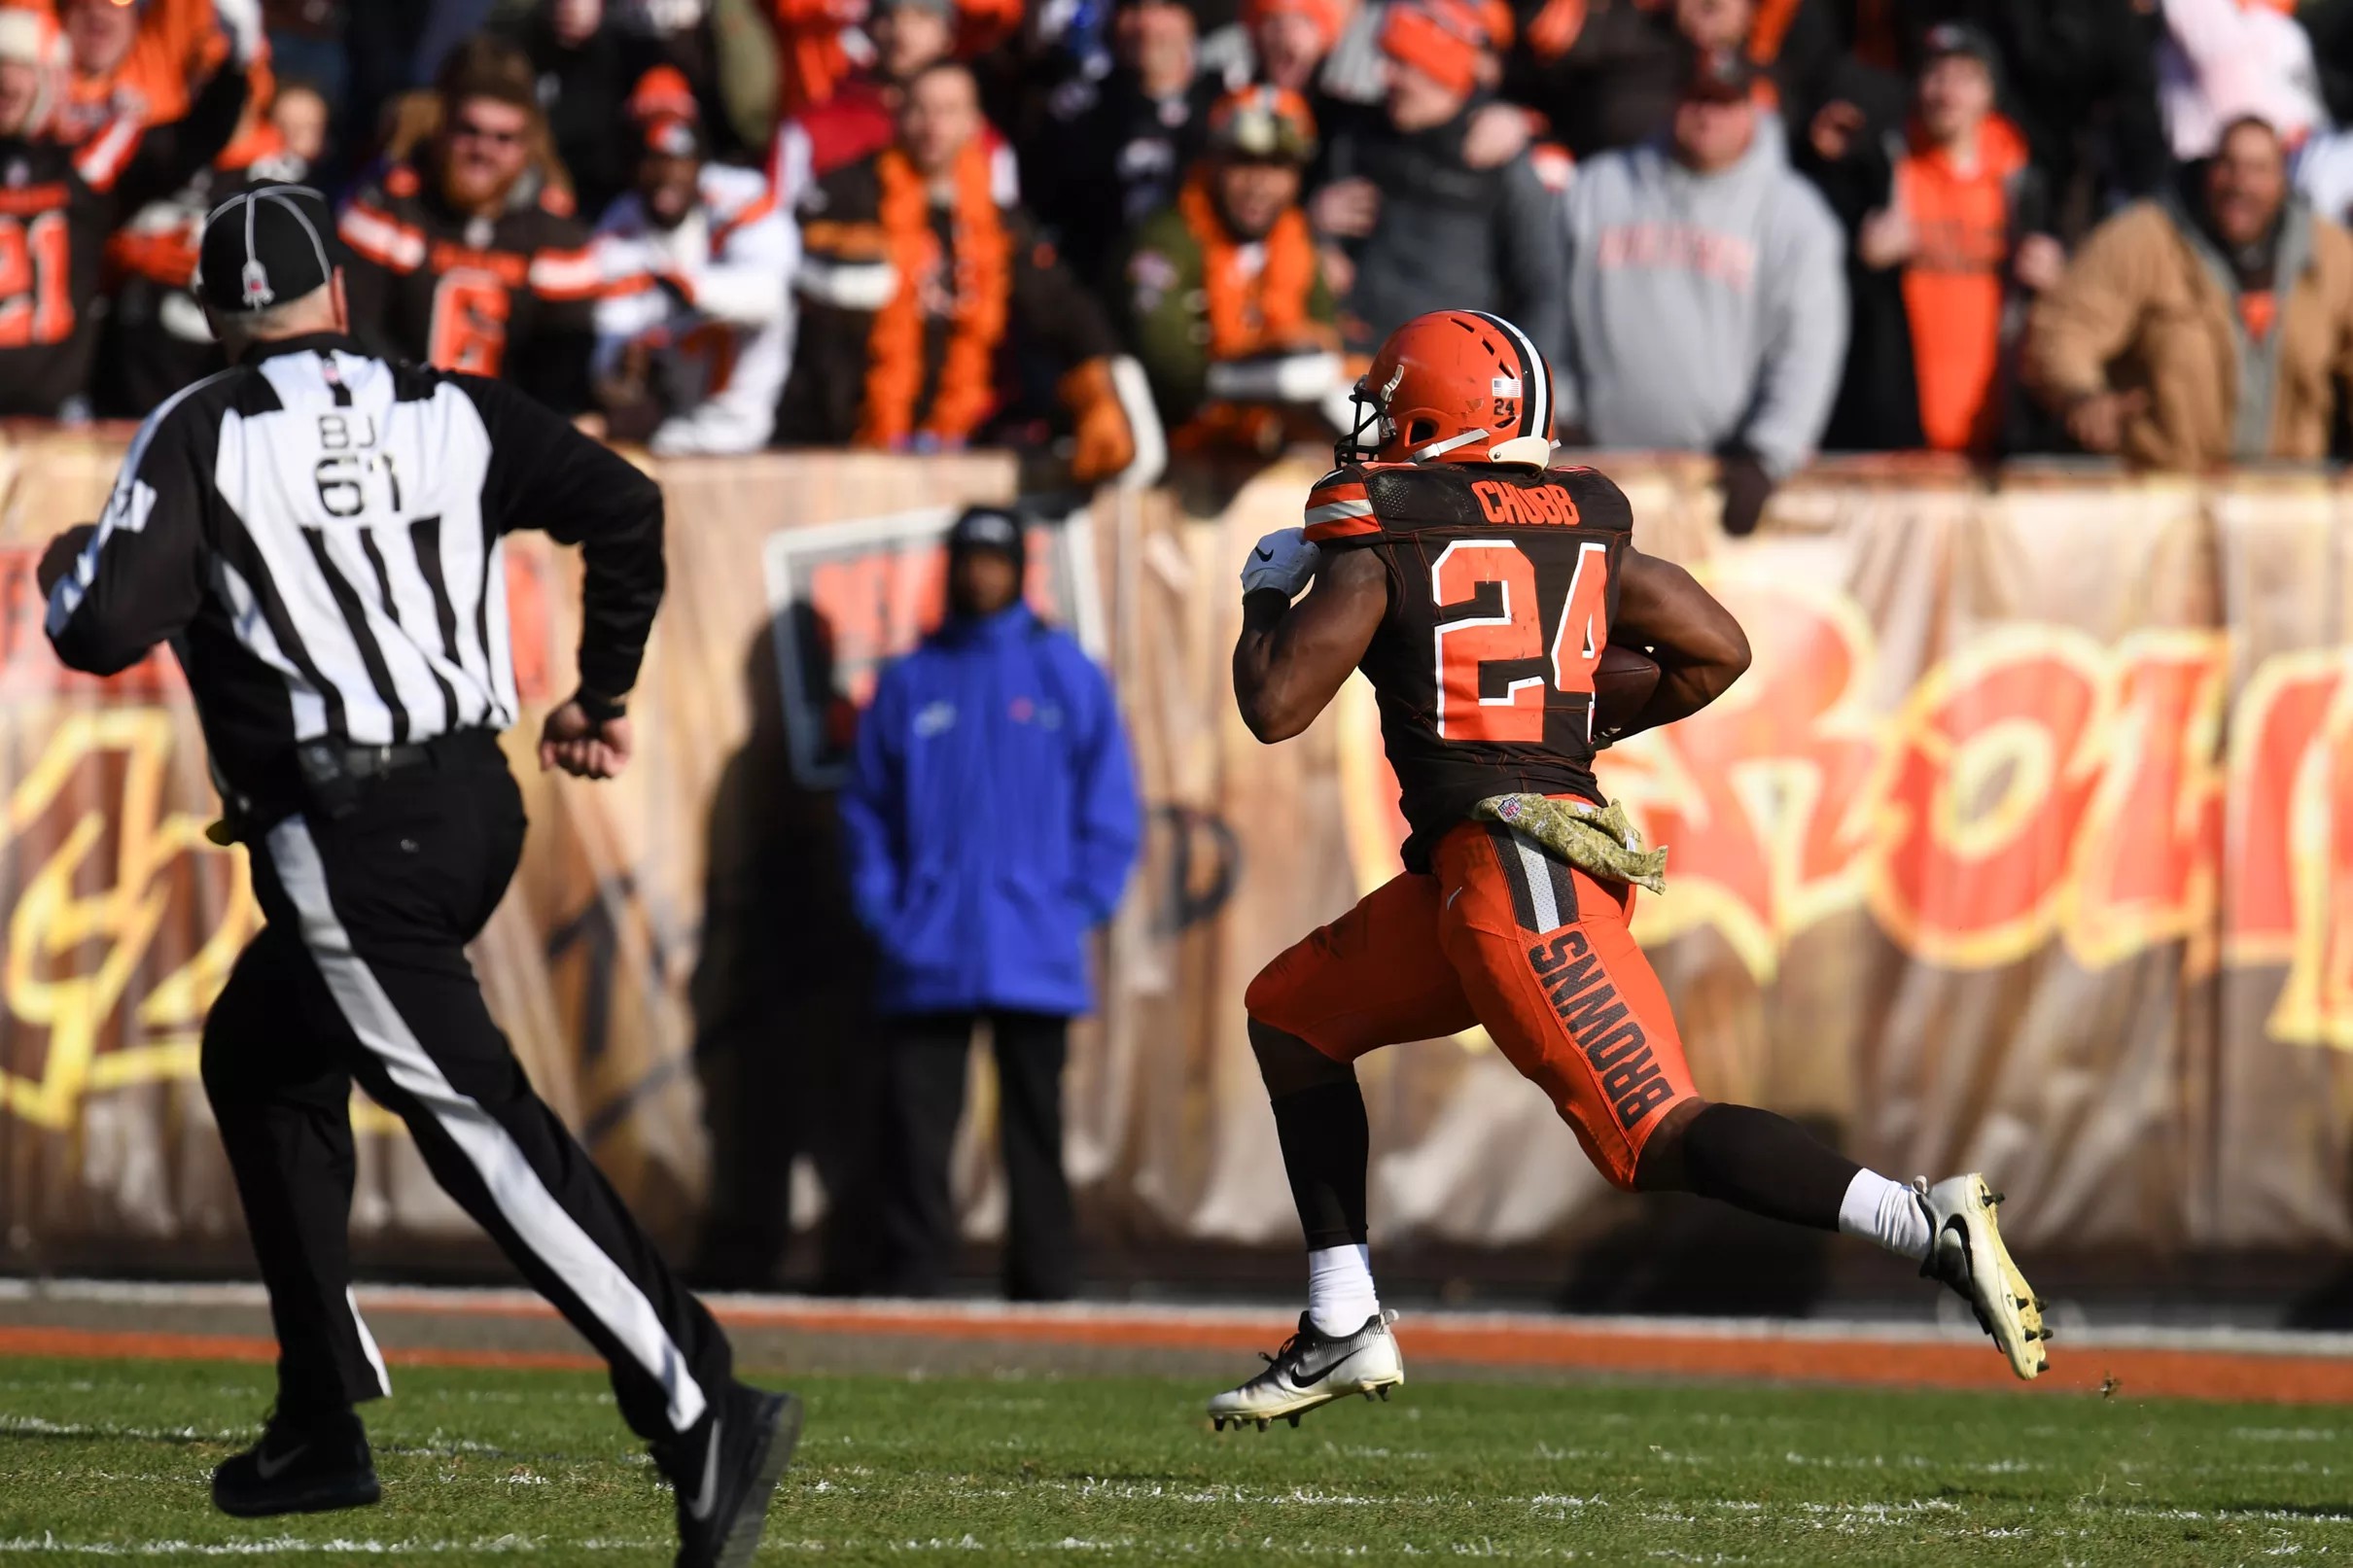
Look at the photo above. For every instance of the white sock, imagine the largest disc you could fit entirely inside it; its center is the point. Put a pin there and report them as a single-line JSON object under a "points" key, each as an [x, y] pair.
{"points": [[1886, 1212], [1340, 1288]]}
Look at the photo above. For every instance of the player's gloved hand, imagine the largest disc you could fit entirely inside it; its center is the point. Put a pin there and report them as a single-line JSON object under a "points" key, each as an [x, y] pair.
{"points": [[1283, 561]]}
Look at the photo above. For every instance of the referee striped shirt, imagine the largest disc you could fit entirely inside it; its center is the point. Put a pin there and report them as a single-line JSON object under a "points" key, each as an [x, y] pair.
{"points": [[319, 532]]}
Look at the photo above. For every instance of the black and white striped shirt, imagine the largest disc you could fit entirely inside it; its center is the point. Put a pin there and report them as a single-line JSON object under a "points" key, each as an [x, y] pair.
{"points": [[319, 534]]}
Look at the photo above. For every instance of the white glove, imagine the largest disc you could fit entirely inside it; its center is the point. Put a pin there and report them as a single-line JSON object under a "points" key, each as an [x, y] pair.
{"points": [[242, 21], [1283, 561]]}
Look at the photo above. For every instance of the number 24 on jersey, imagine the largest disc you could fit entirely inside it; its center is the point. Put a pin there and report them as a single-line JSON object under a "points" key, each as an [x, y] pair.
{"points": [[1465, 646]]}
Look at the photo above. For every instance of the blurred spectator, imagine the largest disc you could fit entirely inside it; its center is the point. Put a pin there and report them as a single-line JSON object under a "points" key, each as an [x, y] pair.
{"points": [[467, 256], [1707, 296], [301, 115], [65, 197], [306, 45], [813, 49], [1326, 51], [146, 60], [914, 279], [1114, 151], [2329, 23], [1225, 302], [1945, 246], [586, 71], [1282, 43], [443, 27], [862, 117], [1608, 73], [1604, 72], [2211, 326], [2080, 82], [693, 339], [2223, 60], [818, 44], [156, 339], [1419, 222], [990, 820], [2324, 173]]}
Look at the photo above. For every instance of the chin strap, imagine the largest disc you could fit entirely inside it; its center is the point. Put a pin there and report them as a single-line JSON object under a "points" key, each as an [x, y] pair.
{"points": [[1439, 449]]}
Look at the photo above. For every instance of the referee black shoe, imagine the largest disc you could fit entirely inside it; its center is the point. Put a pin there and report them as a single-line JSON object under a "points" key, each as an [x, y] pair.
{"points": [[299, 1467], [724, 1472]]}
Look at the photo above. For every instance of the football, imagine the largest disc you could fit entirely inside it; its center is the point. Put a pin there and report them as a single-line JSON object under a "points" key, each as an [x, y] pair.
{"points": [[1623, 682]]}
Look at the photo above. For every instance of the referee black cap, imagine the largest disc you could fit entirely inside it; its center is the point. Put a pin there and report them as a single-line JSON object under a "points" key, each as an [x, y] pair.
{"points": [[267, 245]]}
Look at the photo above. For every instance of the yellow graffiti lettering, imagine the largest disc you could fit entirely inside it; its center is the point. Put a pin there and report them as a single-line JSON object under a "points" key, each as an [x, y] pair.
{"points": [[73, 899]]}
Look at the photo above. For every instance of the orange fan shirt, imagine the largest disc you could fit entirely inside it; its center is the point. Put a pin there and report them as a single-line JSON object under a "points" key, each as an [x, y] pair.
{"points": [[1953, 285]]}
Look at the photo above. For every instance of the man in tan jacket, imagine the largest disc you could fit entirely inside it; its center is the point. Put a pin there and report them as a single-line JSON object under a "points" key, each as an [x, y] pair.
{"points": [[2202, 330]]}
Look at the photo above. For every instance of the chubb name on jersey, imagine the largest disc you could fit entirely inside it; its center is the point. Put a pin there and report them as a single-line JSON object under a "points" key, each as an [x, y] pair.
{"points": [[1526, 505]]}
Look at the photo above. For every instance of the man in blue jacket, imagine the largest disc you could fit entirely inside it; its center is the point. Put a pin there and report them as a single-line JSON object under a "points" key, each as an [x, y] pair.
{"points": [[991, 819]]}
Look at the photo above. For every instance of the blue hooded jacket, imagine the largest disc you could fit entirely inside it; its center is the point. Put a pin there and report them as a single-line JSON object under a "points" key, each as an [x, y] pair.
{"points": [[990, 818]]}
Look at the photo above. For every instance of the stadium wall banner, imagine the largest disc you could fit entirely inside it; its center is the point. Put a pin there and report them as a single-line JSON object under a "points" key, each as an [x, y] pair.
{"points": [[2027, 844]]}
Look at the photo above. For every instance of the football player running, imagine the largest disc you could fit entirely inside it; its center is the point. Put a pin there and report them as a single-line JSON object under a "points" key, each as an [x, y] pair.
{"points": [[1479, 589]]}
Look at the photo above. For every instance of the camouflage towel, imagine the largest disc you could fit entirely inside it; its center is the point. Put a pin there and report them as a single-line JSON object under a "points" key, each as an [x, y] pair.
{"points": [[1597, 840]]}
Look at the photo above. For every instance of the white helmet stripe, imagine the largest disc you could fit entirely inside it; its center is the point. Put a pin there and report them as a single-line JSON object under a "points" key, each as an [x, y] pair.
{"points": [[1537, 404]]}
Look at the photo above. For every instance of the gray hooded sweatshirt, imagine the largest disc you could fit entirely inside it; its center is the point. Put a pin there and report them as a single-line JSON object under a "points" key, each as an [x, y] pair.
{"points": [[1703, 310]]}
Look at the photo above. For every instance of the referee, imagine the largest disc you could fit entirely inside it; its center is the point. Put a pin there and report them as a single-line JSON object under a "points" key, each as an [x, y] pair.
{"points": [[318, 533]]}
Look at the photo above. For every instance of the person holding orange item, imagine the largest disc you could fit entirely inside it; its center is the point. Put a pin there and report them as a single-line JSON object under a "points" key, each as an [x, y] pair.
{"points": [[918, 283], [1225, 301], [64, 194], [1946, 251]]}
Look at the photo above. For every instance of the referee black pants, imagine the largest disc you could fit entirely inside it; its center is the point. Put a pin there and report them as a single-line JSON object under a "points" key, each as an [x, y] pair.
{"points": [[923, 1100], [361, 974]]}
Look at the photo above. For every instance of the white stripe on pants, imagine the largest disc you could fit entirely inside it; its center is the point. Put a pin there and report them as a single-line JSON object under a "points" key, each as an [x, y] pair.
{"points": [[534, 1213]]}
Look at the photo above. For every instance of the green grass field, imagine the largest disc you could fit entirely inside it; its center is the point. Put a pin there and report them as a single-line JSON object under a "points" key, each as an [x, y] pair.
{"points": [[110, 1458]]}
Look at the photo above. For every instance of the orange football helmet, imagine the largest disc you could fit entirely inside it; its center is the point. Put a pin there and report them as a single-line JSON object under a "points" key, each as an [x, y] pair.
{"points": [[1453, 386]]}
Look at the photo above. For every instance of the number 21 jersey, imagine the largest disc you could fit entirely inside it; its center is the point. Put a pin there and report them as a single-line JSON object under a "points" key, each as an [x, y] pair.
{"points": [[1503, 582]]}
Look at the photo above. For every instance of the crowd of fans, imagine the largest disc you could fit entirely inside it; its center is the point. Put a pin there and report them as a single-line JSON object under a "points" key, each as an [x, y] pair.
{"points": [[1752, 229]]}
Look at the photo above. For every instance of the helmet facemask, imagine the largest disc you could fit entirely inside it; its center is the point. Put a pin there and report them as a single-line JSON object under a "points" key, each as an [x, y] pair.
{"points": [[1366, 415]]}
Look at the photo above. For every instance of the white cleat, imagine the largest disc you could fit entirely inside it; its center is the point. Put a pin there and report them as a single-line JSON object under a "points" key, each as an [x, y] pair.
{"points": [[1965, 1251], [1314, 1369]]}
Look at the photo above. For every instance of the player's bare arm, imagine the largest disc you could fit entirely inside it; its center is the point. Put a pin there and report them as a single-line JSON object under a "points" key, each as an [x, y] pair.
{"points": [[1700, 649], [1291, 659]]}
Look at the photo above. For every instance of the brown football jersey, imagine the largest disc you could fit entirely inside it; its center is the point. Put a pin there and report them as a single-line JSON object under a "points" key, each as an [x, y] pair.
{"points": [[1502, 581]]}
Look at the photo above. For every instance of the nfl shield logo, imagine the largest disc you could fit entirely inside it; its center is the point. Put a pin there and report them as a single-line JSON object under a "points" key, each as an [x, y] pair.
{"points": [[257, 292]]}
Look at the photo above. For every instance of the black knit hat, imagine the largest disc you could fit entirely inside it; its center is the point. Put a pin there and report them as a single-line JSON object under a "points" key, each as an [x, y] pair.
{"points": [[991, 528], [1948, 38], [267, 245]]}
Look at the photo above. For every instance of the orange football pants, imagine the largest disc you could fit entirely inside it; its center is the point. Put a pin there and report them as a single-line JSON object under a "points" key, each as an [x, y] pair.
{"points": [[1504, 935]]}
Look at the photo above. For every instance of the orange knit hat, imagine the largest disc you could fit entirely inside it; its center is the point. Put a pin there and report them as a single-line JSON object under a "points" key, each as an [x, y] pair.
{"points": [[1445, 40], [1330, 16]]}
